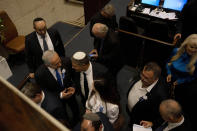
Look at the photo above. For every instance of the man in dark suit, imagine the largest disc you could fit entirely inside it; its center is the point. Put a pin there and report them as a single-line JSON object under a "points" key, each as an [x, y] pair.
{"points": [[171, 113], [84, 73], [54, 76], [146, 94], [40, 40], [105, 16], [187, 24], [107, 51], [94, 122], [46, 100]]}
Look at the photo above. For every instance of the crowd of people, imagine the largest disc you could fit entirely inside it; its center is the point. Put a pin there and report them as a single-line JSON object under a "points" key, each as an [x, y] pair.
{"points": [[92, 77]]}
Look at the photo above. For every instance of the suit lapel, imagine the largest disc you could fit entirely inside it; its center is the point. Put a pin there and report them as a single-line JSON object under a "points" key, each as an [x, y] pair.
{"points": [[50, 76], [37, 44]]}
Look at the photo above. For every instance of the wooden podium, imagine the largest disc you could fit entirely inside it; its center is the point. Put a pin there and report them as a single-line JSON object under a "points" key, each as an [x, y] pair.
{"points": [[19, 113]]}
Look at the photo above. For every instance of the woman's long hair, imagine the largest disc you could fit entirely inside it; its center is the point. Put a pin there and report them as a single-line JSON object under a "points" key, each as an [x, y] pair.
{"points": [[105, 86], [190, 40]]}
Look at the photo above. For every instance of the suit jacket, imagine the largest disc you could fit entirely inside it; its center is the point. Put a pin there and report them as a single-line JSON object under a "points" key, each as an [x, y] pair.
{"points": [[53, 106], [45, 79], [149, 109], [186, 126], [34, 52], [110, 51], [187, 24], [97, 70]]}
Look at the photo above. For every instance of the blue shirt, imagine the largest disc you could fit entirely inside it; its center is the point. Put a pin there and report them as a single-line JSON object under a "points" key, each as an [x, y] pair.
{"points": [[178, 68]]}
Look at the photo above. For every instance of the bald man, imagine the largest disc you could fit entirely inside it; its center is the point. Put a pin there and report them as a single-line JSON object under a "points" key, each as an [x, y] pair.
{"points": [[40, 40], [107, 51], [171, 112], [94, 122]]}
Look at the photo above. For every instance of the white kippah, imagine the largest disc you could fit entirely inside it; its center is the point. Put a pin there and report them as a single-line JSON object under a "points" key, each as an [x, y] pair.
{"points": [[79, 55]]}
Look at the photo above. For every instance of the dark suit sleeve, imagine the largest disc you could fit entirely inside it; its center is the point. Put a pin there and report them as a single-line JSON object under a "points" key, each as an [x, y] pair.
{"points": [[114, 24], [114, 42], [68, 81], [28, 55], [61, 50]]}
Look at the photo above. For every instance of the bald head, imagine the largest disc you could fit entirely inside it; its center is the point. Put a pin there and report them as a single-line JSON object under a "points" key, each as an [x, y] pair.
{"points": [[170, 110], [99, 30], [91, 122]]}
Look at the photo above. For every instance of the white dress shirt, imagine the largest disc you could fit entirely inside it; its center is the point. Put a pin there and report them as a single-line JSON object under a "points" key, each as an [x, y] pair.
{"points": [[89, 77], [136, 92], [54, 73], [95, 104], [173, 125], [48, 40]]}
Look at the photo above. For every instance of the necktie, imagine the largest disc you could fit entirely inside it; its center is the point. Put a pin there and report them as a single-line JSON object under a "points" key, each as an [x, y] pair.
{"points": [[86, 86], [58, 78], [162, 127], [45, 46]]}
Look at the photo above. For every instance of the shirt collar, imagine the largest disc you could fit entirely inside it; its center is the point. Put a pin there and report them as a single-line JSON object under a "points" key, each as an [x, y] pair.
{"points": [[89, 69], [149, 88], [40, 37], [173, 125]]}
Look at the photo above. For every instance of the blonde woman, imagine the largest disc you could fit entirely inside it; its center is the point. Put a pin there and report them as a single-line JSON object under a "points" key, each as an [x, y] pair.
{"points": [[182, 74], [181, 67]]}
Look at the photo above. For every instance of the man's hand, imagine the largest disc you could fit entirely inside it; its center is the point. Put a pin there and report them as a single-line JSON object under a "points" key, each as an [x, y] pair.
{"points": [[169, 77], [71, 90], [146, 124], [94, 53], [175, 83], [68, 92], [31, 75], [177, 36]]}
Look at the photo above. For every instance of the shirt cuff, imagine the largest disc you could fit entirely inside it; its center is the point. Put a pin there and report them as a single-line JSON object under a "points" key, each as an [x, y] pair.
{"points": [[61, 95]]}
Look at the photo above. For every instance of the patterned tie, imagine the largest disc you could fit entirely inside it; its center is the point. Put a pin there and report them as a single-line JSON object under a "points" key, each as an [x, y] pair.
{"points": [[45, 44], [58, 78], [86, 86], [162, 127]]}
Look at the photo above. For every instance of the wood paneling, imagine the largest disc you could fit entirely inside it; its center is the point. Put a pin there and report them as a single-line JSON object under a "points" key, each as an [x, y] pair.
{"points": [[19, 113]]}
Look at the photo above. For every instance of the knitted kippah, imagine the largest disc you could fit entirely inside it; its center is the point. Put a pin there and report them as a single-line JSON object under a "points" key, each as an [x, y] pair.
{"points": [[79, 55]]}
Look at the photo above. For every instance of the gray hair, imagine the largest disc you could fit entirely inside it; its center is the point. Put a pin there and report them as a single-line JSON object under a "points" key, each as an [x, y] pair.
{"points": [[171, 108], [47, 56], [100, 28], [94, 118], [152, 66], [109, 9], [31, 89], [80, 58]]}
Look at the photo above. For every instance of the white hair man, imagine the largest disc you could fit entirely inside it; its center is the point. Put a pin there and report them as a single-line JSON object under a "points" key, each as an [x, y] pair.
{"points": [[107, 50], [55, 76]]}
